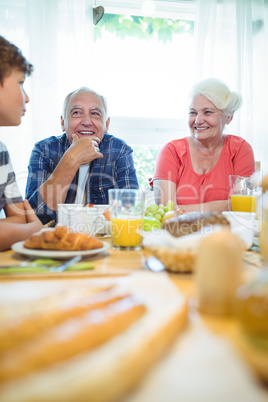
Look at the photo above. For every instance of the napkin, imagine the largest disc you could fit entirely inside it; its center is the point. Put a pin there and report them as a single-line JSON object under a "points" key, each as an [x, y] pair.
{"points": [[33, 266]]}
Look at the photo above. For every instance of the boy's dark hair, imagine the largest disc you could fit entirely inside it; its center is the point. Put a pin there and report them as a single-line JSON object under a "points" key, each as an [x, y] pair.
{"points": [[11, 57]]}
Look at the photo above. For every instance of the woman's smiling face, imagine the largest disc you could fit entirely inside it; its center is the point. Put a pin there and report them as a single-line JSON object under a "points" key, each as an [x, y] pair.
{"points": [[205, 120]]}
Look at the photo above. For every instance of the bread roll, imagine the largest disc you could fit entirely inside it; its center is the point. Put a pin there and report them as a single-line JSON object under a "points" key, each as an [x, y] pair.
{"points": [[62, 238], [192, 222]]}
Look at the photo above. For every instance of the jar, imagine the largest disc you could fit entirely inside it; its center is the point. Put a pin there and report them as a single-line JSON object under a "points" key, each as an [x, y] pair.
{"points": [[252, 307]]}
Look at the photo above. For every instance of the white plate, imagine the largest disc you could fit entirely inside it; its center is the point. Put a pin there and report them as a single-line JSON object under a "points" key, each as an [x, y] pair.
{"points": [[60, 254]]}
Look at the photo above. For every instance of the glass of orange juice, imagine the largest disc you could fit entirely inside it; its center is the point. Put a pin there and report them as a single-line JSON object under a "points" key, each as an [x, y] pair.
{"points": [[244, 193], [126, 213]]}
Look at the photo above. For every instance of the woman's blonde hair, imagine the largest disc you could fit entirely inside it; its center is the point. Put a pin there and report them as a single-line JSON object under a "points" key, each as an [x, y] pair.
{"points": [[218, 93]]}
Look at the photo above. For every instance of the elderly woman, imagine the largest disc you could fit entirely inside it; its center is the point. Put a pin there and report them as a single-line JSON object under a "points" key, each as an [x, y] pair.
{"points": [[194, 171]]}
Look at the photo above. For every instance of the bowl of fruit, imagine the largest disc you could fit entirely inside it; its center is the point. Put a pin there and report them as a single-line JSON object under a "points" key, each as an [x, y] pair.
{"points": [[155, 215]]}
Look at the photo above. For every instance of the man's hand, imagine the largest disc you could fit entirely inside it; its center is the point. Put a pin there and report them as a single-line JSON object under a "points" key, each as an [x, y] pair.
{"points": [[85, 149], [82, 151]]}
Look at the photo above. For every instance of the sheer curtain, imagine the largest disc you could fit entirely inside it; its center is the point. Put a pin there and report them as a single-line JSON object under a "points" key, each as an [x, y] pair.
{"points": [[56, 36], [231, 39]]}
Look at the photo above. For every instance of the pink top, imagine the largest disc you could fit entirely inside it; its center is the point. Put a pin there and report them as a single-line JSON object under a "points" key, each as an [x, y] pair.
{"points": [[174, 164]]}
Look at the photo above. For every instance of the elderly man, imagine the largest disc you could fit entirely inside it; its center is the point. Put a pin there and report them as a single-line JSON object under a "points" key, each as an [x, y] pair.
{"points": [[81, 165]]}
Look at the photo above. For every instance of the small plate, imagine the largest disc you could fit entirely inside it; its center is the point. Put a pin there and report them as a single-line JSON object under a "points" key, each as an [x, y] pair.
{"points": [[60, 254]]}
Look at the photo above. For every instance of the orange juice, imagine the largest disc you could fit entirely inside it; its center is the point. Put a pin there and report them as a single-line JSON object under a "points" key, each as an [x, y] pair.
{"points": [[124, 232], [243, 203]]}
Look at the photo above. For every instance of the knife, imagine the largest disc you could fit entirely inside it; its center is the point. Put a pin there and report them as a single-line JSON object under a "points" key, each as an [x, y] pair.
{"points": [[29, 263]]}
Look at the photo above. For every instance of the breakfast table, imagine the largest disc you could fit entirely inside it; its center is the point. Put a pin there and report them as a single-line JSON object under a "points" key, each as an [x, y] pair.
{"points": [[204, 363]]}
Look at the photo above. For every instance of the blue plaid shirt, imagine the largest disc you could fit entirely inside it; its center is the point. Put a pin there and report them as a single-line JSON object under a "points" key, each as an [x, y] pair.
{"points": [[115, 170]]}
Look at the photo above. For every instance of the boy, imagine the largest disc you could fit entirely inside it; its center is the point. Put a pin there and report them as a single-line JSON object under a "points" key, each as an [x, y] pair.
{"points": [[20, 221]]}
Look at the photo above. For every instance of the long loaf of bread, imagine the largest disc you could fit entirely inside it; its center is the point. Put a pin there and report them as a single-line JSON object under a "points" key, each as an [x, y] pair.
{"points": [[62, 238], [70, 338], [21, 329]]}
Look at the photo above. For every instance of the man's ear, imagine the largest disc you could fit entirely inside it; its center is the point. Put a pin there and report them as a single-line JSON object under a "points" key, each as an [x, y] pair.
{"points": [[107, 124], [62, 123]]}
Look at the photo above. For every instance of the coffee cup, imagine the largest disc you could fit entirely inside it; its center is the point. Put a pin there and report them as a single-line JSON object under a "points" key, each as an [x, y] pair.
{"points": [[81, 219]]}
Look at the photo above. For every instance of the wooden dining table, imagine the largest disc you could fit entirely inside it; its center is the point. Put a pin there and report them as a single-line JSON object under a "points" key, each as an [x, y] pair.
{"points": [[204, 363]]}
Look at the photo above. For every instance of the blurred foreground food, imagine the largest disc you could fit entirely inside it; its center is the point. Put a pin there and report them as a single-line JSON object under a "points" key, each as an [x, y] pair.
{"points": [[87, 344], [218, 272]]}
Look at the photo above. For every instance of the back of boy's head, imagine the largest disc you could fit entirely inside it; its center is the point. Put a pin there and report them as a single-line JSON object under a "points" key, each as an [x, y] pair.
{"points": [[11, 58]]}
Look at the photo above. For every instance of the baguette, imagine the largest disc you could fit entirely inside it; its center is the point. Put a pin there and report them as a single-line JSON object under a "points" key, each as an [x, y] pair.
{"points": [[20, 329], [71, 338]]}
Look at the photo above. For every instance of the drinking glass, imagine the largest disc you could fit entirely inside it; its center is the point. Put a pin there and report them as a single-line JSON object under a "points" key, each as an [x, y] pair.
{"points": [[126, 213], [244, 193]]}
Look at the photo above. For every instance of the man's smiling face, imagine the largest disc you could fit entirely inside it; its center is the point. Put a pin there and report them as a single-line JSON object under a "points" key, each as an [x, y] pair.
{"points": [[85, 116]]}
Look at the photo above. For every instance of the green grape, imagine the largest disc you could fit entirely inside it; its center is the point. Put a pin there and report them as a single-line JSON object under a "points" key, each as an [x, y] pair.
{"points": [[149, 214], [161, 206], [158, 217], [161, 211], [170, 204], [150, 223], [153, 208]]}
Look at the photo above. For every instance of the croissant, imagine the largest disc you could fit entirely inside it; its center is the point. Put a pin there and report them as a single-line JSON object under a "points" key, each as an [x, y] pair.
{"points": [[62, 238]]}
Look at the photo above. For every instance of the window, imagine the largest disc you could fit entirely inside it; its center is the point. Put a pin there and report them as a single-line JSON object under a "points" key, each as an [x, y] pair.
{"points": [[144, 66], [144, 69]]}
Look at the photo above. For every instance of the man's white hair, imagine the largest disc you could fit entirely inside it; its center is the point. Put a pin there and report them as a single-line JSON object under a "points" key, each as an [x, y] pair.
{"points": [[83, 89]]}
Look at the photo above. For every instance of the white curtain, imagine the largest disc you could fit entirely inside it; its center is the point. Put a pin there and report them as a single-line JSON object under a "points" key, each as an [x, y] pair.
{"points": [[231, 43], [56, 37]]}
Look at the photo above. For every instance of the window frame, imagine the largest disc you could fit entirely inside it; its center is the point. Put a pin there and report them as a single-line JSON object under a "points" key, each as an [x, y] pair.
{"points": [[149, 131]]}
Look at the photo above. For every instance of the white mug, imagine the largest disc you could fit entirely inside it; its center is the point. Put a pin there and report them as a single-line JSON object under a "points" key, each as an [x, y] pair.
{"points": [[81, 219]]}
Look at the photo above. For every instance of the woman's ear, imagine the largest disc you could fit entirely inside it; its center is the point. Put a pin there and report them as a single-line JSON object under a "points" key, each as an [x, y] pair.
{"points": [[229, 119]]}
